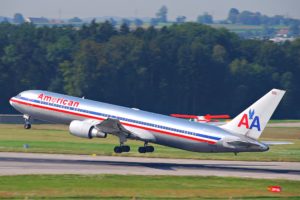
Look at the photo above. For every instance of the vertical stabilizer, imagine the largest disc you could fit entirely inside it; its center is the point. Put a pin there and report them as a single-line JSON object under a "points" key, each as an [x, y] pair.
{"points": [[252, 121]]}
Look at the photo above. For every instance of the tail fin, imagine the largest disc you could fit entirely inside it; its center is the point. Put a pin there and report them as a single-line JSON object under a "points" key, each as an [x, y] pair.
{"points": [[252, 121]]}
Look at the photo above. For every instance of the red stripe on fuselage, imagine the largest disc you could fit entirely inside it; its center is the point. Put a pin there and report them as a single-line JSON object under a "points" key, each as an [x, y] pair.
{"points": [[99, 118]]}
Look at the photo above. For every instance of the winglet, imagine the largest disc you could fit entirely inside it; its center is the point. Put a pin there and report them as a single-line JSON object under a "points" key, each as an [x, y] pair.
{"points": [[252, 121]]}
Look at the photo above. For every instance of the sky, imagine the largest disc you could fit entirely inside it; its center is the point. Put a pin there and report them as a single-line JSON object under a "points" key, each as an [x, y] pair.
{"points": [[145, 8]]}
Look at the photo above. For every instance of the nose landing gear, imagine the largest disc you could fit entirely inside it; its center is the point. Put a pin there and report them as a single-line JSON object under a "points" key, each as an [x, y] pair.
{"points": [[27, 124]]}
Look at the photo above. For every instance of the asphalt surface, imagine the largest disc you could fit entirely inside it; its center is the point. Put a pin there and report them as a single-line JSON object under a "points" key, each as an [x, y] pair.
{"points": [[31, 163]]}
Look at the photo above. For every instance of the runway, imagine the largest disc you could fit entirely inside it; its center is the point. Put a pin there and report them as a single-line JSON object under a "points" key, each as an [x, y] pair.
{"points": [[36, 163]]}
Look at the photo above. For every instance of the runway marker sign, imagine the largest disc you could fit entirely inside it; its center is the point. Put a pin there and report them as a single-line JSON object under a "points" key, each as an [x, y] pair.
{"points": [[274, 188]]}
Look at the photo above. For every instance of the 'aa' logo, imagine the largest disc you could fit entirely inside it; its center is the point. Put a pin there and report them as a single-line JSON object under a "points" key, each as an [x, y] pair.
{"points": [[253, 119]]}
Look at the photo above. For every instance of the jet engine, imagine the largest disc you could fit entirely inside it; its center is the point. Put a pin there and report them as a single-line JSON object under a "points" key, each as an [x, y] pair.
{"points": [[85, 129]]}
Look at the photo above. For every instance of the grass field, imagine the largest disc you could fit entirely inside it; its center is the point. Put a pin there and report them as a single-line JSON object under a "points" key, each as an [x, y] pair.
{"points": [[56, 139], [141, 187], [284, 121]]}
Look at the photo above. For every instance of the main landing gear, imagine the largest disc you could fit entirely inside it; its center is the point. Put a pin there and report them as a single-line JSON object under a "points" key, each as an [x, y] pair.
{"points": [[125, 148], [27, 124], [146, 148], [122, 148]]}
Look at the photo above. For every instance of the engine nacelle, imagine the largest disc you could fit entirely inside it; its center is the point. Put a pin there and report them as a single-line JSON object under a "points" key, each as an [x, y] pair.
{"points": [[85, 129]]}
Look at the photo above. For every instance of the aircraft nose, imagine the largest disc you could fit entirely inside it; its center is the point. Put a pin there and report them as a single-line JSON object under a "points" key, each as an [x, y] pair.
{"points": [[11, 101]]}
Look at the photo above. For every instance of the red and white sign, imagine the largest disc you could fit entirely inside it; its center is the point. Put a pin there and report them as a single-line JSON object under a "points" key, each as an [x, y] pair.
{"points": [[204, 119], [274, 188]]}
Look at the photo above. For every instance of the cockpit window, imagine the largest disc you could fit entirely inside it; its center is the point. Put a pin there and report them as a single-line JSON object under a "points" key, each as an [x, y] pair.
{"points": [[20, 94]]}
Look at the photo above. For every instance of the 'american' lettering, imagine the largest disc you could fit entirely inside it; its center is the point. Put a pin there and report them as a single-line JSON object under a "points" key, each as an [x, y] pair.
{"points": [[61, 101]]}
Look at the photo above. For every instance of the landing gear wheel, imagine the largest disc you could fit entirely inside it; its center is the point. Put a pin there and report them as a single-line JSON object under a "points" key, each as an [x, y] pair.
{"points": [[146, 149], [142, 149], [27, 126], [149, 149], [118, 149], [125, 148]]}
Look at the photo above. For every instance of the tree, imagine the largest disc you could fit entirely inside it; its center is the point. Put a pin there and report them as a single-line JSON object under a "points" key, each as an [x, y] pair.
{"points": [[126, 21], [183, 68], [75, 20], [205, 19], [248, 18], [154, 21], [162, 14], [268, 31], [60, 50], [105, 32], [294, 29], [138, 22], [80, 75], [113, 22], [18, 18], [180, 19], [219, 53], [232, 15], [99, 32], [124, 29], [139, 32]]}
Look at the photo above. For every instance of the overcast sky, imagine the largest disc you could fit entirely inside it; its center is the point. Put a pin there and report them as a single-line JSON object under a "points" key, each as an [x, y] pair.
{"points": [[144, 8]]}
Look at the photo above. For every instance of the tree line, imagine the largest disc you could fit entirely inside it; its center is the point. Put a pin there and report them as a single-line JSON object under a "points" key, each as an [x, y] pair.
{"points": [[188, 68], [256, 18]]}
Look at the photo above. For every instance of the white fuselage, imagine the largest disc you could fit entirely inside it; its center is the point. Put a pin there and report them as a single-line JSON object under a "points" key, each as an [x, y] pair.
{"points": [[165, 130]]}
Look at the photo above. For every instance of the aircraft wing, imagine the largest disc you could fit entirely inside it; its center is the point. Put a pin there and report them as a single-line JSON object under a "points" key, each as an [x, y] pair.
{"points": [[114, 127]]}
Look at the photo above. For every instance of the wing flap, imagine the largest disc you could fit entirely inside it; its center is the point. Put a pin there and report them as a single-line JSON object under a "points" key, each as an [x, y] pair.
{"points": [[112, 126]]}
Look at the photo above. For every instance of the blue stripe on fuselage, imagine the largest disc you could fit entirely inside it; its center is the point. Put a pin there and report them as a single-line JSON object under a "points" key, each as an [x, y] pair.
{"points": [[119, 118]]}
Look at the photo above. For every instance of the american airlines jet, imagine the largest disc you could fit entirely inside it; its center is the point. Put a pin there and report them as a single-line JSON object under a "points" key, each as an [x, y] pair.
{"points": [[92, 119]]}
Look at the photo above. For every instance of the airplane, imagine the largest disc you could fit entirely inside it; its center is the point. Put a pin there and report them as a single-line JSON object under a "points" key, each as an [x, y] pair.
{"points": [[92, 119]]}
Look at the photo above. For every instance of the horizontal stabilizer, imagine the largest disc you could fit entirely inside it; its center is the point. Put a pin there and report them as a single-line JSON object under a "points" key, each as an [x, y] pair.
{"points": [[276, 142]]}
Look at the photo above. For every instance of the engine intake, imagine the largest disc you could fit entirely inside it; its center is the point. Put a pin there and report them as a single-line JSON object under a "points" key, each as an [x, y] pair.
{"points": [[85, 129]]}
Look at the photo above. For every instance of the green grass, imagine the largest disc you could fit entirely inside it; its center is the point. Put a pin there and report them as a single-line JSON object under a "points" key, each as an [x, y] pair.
{"points": [[141, 187], [284, 121], [56, 139]]}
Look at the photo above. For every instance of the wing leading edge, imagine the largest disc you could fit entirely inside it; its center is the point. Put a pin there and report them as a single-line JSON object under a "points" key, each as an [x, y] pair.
{"points": [[115, 127]]}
